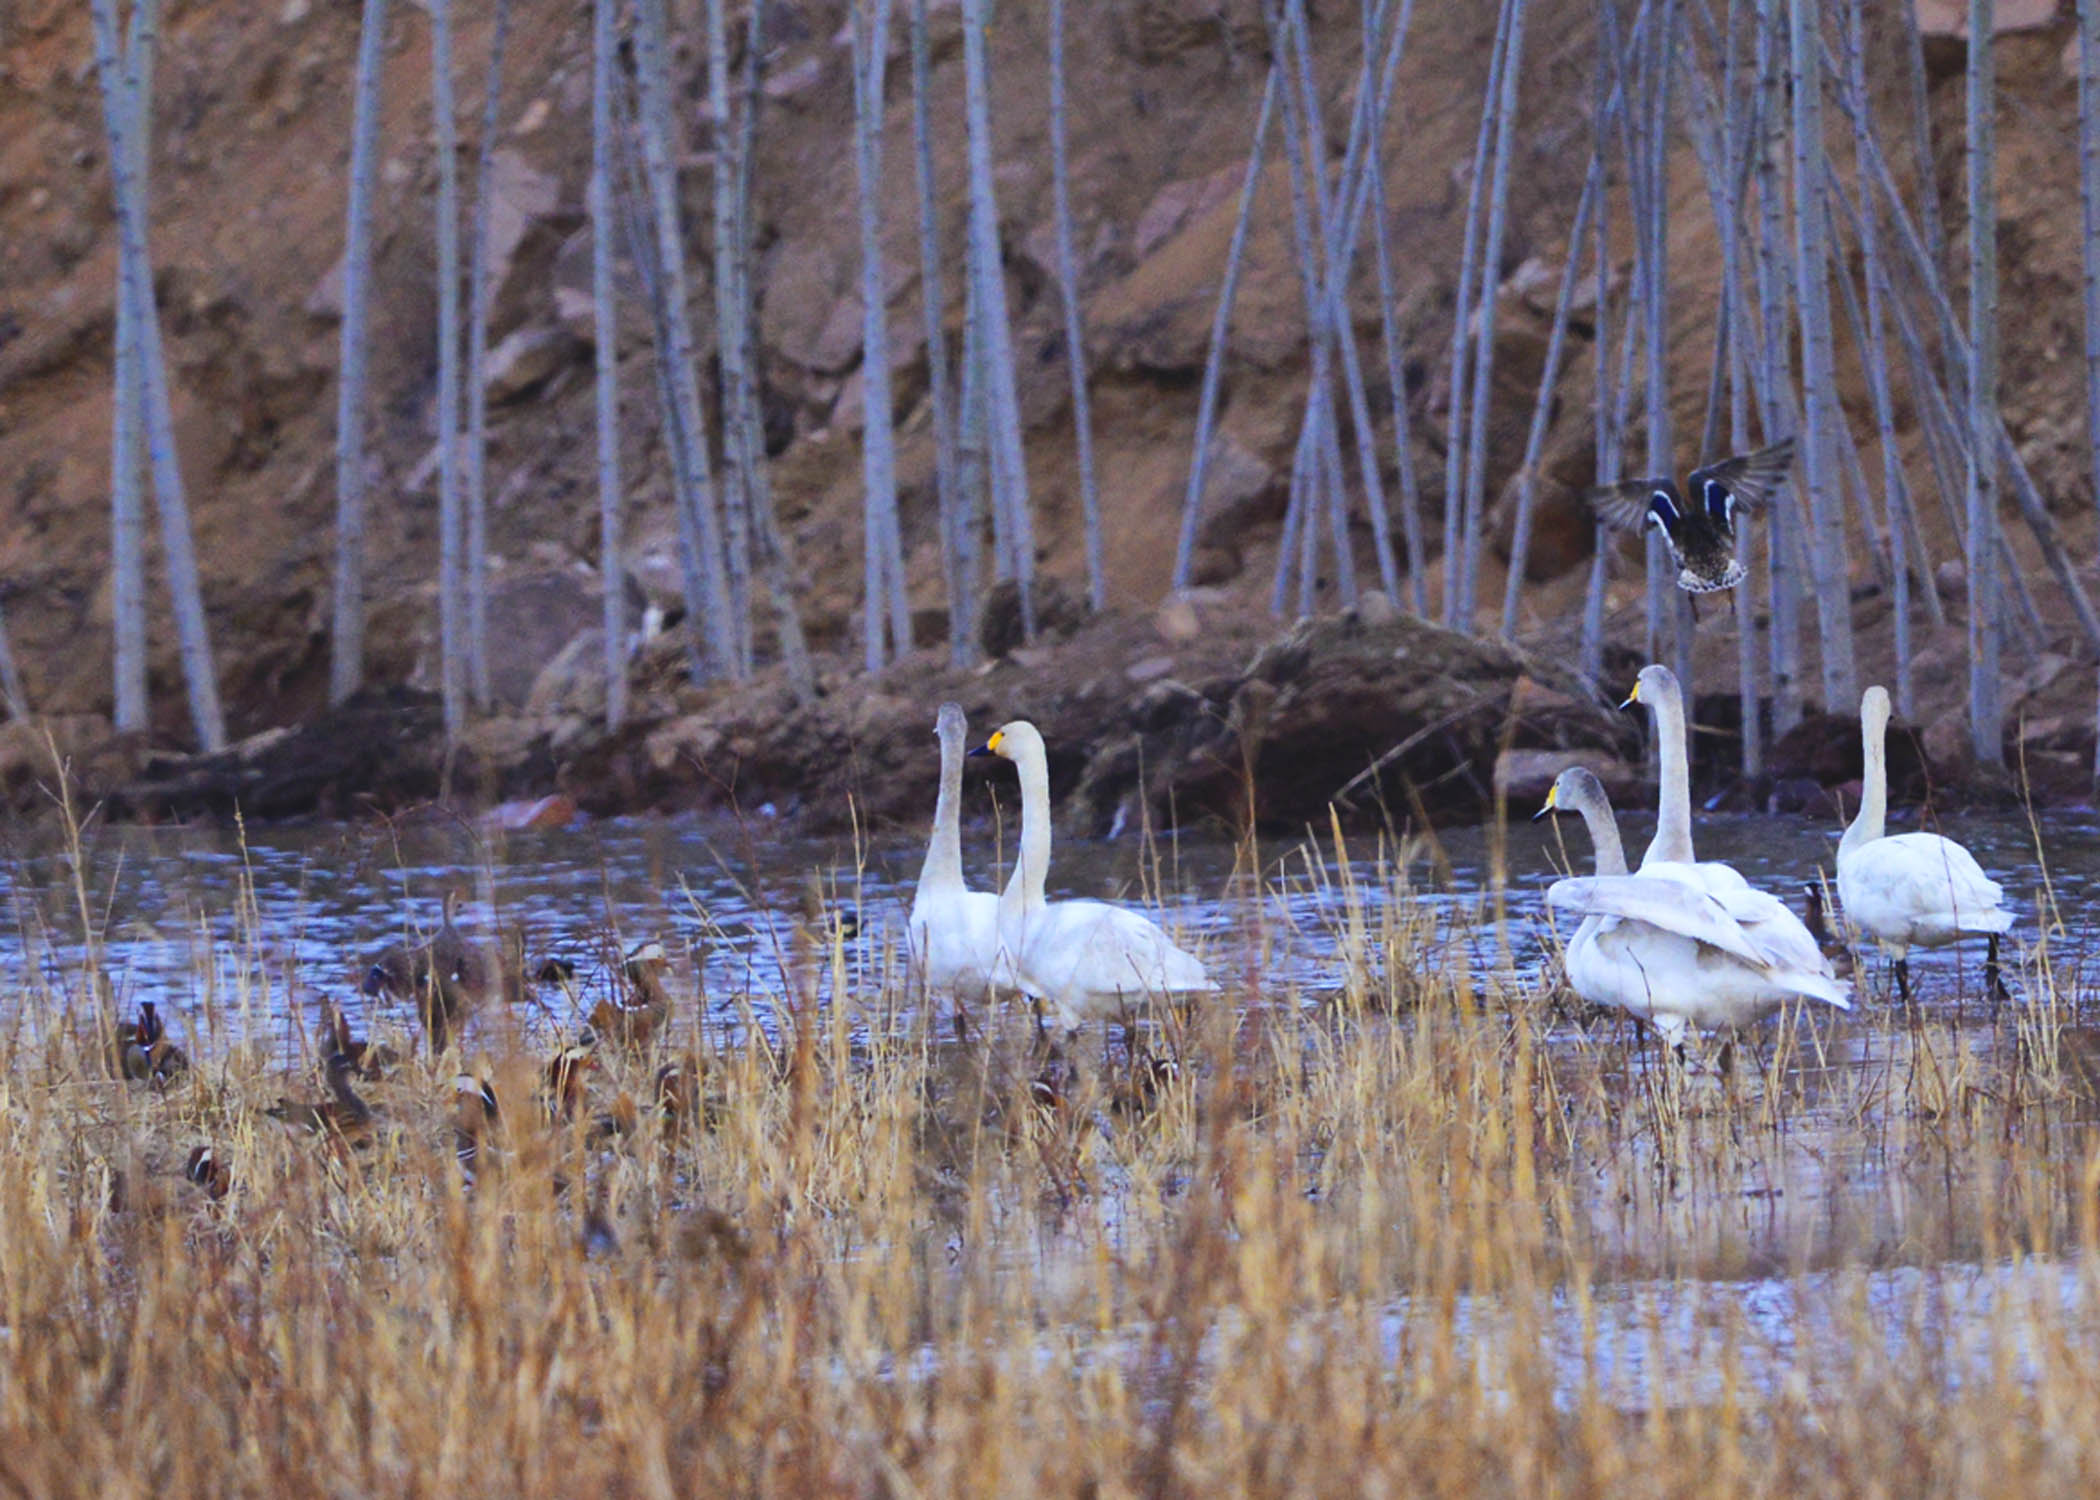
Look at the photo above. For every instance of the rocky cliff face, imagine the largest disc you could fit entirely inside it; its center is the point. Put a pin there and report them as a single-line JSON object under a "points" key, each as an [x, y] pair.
{"points": [[251, 148]]}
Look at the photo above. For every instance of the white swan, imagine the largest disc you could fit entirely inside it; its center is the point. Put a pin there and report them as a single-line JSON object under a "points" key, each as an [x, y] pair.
{"points": [[1084, 959], [1911, 890], [1659, 947], [953, 933], [1657, 688], [1780, 937]]}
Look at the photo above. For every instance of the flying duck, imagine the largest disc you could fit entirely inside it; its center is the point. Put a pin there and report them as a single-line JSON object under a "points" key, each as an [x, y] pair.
{"points": [[1700, 531]]}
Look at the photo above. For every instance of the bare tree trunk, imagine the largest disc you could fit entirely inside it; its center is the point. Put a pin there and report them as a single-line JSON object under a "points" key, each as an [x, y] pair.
{"points": [[136, 258], [1985, 709], [1590, 652], [1338, 226], [347, 659], [1874, 358], [1302, 136], [973, 465], [1075, 334], [707, 574], [634, 206], [2089, 203], [2033, 509], [1469, 258], [1650, 174], [1542, 408], [1782, 547], [128, 414], [477, 611], [451, 642], [605, 361], [1008, 462], [1396, 374], [1827, 556], [1220, 326], [1490, 297], [743, 417], [1923, 161], [962, 634], [884, 552]]}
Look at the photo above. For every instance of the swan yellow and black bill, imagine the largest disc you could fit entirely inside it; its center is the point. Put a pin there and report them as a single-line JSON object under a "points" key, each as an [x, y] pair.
{"points": [[1551, 804], [1634, 696], [991, 746]]}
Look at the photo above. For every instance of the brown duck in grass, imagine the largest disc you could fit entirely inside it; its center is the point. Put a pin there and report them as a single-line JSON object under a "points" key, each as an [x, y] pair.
{"points": [[448, 977], [373, 1060], [637, 1016], [343, 1119]]}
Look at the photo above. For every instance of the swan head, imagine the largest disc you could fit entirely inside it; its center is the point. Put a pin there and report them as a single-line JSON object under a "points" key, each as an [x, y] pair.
{"points": [[1013, 741], [1656, 684], [1573, 790], [1874, 710], [950, 723], [1571, 793]]}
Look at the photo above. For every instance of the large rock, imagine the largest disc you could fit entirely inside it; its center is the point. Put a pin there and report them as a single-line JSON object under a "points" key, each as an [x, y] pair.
{"points": [[532, 619], [574, 681], [1404, 721]]}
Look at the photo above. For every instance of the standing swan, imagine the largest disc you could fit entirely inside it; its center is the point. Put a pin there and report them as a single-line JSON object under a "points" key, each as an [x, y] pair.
{"points": [[954, 931], [1771, 927], [1657, 688], [1084, 958], [1659, 947], [1911, 889]]}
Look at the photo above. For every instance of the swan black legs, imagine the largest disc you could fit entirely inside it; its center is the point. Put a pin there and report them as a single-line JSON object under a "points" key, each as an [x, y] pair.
{"points": [[1994, 978]]}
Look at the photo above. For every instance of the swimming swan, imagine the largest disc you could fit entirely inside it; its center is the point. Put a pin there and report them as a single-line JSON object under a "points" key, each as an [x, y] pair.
{"points": [[1083, 958], [1661, 948], [953, 933], [1911, 889]]}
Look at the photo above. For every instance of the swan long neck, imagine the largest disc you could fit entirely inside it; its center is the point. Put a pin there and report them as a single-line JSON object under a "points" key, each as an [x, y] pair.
{"points": [[1604, 834], [1872, 818], [1673, 819], [1024, 890], [943, 867]]}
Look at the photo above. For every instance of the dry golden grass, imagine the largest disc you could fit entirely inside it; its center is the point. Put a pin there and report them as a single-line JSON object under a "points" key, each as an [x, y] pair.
{"points": [[1423, 1236]]}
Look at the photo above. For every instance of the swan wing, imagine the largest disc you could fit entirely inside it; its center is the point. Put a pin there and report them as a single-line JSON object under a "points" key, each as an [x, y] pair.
{"points": [[1669, 905], [1078, 949], [1930, 875]]}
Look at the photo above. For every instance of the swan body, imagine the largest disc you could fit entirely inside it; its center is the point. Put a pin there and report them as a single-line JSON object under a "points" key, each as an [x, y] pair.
{"points": [[1679, 942], [1910, 890], [1084, 959], [953, 933]]}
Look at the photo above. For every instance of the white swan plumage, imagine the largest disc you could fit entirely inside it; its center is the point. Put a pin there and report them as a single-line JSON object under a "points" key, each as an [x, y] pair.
{"points": [[1659, 947], [1084, 959], [953, 933], [1910, 890], [1779, 936]]}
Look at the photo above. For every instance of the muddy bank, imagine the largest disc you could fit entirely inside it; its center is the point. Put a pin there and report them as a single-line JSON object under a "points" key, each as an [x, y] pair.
{"points": [[1193, 717], [1184, 718]]}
